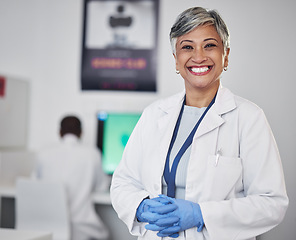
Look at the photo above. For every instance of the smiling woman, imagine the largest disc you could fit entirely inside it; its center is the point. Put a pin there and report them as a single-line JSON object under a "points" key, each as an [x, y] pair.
{"points": [[202, 164], [200, 59]]}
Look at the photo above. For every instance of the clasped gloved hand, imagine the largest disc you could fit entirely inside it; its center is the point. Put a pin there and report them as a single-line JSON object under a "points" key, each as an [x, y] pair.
{"points": [[156, 210], [155, 207], [187, 215]]}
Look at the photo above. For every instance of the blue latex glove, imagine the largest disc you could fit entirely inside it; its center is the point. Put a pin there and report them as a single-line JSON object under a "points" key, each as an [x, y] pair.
{"points": [[159, 222], [156, 210], [154, 206], [188, 213]]}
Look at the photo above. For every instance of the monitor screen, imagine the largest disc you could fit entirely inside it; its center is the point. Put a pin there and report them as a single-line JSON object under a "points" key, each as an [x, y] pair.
{"points": [[113, 133]]}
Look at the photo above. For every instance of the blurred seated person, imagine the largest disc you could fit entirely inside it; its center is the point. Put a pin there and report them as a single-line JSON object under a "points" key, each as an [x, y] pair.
{"points": [[79, 168]]}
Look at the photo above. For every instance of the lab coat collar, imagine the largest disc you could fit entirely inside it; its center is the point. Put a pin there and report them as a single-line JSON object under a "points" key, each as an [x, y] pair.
{"points": [[170, 104], [224, 103]]}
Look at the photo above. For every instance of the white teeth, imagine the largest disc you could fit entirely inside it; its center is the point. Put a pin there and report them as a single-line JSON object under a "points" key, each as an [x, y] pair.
{"points": [[200, 70]]}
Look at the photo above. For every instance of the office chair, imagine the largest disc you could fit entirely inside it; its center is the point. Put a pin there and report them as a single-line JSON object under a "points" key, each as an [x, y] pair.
{"points": [[42, 206]]}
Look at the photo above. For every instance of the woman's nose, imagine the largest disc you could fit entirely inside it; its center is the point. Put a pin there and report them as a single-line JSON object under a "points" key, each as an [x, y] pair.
{"points": [[198, 56]]}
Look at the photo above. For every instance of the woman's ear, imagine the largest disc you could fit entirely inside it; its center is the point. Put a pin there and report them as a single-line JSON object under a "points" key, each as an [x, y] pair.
{"points": [[176, 61], [226, 57]]}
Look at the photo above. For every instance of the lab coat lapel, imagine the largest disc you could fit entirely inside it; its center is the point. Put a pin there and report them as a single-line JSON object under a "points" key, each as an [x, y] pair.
{"points": [[223, 104], [211, 121]]}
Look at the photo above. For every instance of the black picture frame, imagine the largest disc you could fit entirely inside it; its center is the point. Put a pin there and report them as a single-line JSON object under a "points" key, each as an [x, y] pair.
{"points": [[119, 45]]}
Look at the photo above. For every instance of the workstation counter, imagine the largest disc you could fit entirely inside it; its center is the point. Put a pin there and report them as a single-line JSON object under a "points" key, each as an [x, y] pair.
{"points": [[102, 204]]}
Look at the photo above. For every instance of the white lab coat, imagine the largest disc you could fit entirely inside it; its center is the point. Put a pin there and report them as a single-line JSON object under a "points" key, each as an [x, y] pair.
{"points": [[241, 196], [79, 168]]}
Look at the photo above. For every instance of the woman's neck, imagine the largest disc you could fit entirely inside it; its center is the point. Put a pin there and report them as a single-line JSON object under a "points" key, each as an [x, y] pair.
{"points": [[200, 98]]}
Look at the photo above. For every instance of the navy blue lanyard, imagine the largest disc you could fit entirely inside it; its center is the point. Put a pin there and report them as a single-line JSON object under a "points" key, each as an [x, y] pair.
{"points": [[170, 176]]}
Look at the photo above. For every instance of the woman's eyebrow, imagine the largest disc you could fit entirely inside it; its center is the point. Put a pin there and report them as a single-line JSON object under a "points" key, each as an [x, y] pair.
{"points": [[207, 39], [186, 41]]}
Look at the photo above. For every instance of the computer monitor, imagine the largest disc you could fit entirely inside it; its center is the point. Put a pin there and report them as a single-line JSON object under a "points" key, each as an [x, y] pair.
{"points": [[113, 132]]}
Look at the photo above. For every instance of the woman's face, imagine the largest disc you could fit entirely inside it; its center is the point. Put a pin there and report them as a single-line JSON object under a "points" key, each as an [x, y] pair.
{"points": [[200, 58]]}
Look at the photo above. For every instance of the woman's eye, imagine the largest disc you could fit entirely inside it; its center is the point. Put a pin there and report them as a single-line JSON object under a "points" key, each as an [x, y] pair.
{"points": [[210, 45], [187, 47]]}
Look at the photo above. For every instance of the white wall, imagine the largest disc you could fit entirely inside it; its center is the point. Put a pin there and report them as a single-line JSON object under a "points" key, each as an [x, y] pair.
{"points": [[40, 40]]}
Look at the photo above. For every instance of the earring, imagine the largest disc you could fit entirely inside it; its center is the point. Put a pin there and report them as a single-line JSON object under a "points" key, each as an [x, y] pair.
{"points": [[225, 68], [177, 71]]}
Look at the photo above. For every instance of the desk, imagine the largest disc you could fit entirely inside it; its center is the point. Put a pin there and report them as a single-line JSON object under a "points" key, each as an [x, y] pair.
{"points": [[9, 234], [101, 200], [7, 204]]}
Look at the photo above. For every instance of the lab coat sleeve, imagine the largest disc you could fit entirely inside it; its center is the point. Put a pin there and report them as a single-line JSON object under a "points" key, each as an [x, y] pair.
{"points": [[265, 200], [127, 191]]}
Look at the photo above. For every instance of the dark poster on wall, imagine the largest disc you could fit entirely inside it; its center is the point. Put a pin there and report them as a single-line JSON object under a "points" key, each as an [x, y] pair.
{"points": [[119, 49]]}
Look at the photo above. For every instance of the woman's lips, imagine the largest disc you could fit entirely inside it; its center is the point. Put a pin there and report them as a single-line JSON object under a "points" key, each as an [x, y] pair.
{"points": [[203, 70]]}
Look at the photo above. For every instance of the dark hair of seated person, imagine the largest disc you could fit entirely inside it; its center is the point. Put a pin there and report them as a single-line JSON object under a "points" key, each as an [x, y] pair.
{"points": [[70, 124]]}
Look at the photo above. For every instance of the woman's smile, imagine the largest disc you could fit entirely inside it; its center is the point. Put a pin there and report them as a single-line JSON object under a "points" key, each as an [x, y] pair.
{"points": [[200, 70]]}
